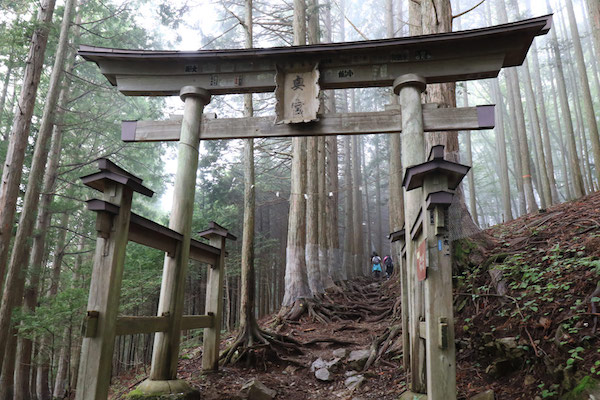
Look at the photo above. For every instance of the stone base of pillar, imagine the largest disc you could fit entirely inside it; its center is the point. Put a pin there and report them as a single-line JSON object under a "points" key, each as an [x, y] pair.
{"points": [[162, 390], [408, 395]]}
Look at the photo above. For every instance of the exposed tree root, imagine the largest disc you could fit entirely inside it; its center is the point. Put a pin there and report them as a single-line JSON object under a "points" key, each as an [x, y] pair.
{"points": [[328, 340], [255, 346], [382, 344]]}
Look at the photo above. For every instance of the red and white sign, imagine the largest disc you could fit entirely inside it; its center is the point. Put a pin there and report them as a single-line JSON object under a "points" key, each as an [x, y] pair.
{"points": [[422, 261]]}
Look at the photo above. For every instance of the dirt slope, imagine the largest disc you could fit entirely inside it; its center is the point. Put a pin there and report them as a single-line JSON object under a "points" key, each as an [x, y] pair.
{"points": [[525, 321]]}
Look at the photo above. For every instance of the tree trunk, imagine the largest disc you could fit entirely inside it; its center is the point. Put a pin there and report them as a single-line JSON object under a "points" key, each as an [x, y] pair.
{"points": [[313, 268], [22, 378], [378, 217], [9, 68], [436, 17], [43, 368], [559, 138], [348, 262], [357, 213], [13, 164], [544, 123], [576, 177], [15, 279], [588, 105], [369, 232], [594, 15], [501, 151], [520, 132], [469, 154], [296, 281]]}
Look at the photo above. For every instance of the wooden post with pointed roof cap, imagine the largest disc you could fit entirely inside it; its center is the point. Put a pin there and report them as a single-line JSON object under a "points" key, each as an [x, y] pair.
{"points": [[117, 187], [217, 235]]}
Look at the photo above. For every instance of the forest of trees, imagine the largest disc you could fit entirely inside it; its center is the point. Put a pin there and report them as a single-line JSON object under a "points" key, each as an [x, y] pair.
{"points": [[310, 211]]}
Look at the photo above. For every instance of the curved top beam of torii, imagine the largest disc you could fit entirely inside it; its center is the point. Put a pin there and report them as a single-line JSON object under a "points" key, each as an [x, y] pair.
{"points": [[445, 57]]}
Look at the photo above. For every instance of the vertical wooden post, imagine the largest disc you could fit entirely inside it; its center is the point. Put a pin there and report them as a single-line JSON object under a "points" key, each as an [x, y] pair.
{"points": [[105, 288], [439, 324], [214, 306], [409, 87], [166, 344]]}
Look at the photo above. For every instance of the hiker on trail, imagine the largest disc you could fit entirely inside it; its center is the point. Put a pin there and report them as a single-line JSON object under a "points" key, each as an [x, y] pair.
{"points": [[376, 260], [389, 265]]}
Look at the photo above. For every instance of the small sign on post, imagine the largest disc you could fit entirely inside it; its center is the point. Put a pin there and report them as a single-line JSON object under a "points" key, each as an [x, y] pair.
{"points": [[297, 93]]}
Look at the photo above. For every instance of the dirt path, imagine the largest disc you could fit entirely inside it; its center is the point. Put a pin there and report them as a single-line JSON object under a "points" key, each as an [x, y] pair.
{"points": [[383, 380]]}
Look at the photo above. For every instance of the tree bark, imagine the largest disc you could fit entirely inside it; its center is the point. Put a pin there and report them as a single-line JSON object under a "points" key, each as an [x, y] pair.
{"points": [[296, 281], [348, 261], [544, 123], [588, 105], [469, 154], [576, 176], [15, 279], [316, 273], [594, 15], [43, 368], [13, 164]]}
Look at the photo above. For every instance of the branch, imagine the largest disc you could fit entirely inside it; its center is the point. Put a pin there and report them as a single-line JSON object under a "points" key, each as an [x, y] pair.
{"points": [[469, 10]]}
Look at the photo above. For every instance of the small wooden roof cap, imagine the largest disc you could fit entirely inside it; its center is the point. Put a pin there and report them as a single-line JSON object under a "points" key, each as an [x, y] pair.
{"points": [[216, 229], [398, 235], [110, 171], [415, 175]]}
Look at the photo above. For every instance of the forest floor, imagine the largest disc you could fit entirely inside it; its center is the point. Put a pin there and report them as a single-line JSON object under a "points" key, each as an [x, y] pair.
{"points": [[526, 322]]}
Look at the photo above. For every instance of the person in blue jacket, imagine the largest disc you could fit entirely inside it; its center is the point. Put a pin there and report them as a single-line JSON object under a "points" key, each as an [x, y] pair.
{"points": [[376, 261]]}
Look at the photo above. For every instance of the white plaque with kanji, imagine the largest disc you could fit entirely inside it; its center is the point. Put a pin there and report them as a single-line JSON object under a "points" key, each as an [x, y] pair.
{"points": [[297, 94]]}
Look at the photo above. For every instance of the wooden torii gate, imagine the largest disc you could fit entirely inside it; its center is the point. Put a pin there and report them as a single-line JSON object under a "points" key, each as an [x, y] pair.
{"points": [[405, 64]]}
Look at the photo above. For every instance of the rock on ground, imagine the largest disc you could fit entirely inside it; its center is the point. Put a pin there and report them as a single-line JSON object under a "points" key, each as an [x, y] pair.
{"points": [[256, 390]]}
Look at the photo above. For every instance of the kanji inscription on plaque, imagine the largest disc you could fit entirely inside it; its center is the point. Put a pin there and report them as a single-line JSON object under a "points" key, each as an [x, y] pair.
{"points": [[297, 93]]}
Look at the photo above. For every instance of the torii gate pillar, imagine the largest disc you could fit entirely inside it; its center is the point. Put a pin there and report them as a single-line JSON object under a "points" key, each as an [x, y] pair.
{"points": [[409, 87], [430, 322], [166, 344]]}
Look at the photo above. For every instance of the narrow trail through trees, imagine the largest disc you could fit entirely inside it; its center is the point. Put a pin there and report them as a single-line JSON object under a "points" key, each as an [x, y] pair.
{"points": [[359, 320]]}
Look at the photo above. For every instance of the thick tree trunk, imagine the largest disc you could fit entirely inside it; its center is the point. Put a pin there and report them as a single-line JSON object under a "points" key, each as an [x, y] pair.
{"points": [[13, 164], [332, 185], [348, 261], [588, 105], [296, 281], [312, 219], [436, 17]]}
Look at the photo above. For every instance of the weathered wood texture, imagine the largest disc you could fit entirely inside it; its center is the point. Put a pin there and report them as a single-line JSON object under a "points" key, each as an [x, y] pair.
{"points": [[390, 121], [445, 57], [105, 288], [214, 307], [413, 153], [166, 344], [156, 236]]}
